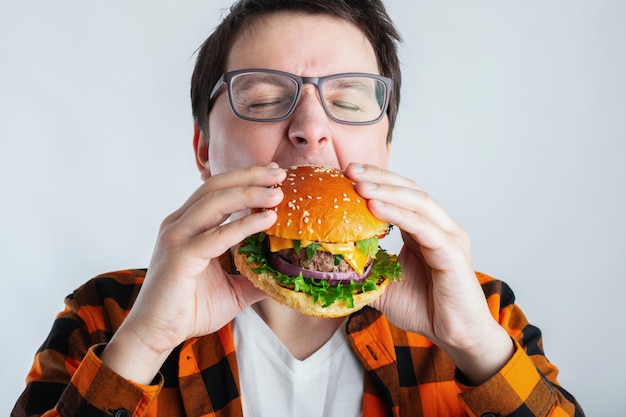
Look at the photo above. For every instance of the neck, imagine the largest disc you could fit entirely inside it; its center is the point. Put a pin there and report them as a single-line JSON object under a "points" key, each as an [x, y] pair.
{"points": [[302, 335]]}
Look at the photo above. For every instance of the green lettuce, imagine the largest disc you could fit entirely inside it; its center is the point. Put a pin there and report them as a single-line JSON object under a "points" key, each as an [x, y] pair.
{"points": [[386, 265]]}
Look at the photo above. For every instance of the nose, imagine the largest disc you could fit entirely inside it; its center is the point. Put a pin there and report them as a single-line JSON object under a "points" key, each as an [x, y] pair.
{"points": [[310, 127]]}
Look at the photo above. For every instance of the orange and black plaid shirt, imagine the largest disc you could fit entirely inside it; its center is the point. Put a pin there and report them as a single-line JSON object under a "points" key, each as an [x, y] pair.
{"points": [[406, 375]]}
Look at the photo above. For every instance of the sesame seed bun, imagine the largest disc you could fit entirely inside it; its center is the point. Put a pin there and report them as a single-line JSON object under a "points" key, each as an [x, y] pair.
{"points": [[322, 205]]}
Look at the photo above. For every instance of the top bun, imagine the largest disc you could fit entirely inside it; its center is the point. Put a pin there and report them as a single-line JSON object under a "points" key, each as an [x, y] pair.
{"points": [[321, 205]]}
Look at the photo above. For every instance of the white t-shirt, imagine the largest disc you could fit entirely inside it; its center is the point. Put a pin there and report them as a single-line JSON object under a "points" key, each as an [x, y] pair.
{"points": [[274, 383]]}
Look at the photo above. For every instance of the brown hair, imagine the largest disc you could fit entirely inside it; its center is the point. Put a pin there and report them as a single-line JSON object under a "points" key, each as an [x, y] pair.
{"points": [[368, 15]]}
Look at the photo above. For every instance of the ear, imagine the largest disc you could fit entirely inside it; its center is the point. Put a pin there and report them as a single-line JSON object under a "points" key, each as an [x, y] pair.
{"points": [[201, 150]]}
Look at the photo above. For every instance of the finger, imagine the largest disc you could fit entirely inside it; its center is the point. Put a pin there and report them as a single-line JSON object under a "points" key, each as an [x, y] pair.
{"points": [[421, 227], [442, 249], [383, 197], [246, 291], [267, 176], [213, 209], [375, 175], [214, 242], [377, 184]]}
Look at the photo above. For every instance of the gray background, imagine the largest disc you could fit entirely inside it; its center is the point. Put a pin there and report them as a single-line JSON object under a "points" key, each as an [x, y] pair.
{"points": [[513, 118]]}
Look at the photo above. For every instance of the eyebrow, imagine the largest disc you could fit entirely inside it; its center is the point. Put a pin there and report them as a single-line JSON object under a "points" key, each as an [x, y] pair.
{"points": [[352, 83], [252, 79]]}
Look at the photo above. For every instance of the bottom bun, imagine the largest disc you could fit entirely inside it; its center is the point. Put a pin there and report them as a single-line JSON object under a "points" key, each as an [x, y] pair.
{"points": [[303, 302]]}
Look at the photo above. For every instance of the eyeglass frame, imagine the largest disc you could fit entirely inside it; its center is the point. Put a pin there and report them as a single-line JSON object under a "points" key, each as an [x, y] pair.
{"points": [[226, 78]]}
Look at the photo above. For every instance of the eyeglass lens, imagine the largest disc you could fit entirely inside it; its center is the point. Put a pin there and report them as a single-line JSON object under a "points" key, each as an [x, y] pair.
{"points": [[263, 96]]}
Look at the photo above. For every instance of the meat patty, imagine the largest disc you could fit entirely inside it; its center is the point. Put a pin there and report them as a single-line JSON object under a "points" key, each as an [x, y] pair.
{"points": [[321, 261]]}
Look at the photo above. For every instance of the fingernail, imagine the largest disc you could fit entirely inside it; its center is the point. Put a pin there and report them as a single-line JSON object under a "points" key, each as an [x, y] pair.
{"points": [[270, 191], [274, 171], [358, 168], [370, 186]]}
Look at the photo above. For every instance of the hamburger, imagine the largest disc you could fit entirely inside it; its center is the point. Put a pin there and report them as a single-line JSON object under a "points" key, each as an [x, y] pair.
{"points": [[321, 256]]}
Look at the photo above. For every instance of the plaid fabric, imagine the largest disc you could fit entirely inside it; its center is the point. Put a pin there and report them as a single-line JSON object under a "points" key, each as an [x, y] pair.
{"points": [[417, 379], [406, 374]]}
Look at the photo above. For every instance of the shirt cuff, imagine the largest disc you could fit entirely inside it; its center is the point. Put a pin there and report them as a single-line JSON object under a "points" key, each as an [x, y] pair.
{"points": [[519, 386], [95, 386]]}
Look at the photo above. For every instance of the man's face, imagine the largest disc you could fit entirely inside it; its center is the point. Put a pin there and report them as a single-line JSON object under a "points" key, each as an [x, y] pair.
{"points": [[303, 45]]}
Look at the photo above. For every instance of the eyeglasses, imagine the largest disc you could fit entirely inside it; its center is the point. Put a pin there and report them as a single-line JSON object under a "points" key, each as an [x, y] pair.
{"points": [[268, 95]]}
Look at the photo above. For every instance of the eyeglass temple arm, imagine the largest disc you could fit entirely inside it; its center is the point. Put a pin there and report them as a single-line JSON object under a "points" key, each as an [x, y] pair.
{"points": [[218, 85]]}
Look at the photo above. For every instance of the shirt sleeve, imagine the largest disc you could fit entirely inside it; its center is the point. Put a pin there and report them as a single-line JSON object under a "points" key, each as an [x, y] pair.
{"points": [[67, 377], [527, 384], [94, 390], [518, 389], [95, 386]]}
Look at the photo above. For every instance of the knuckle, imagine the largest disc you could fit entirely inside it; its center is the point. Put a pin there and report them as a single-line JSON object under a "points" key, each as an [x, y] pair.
{"points": [[168, 223]]}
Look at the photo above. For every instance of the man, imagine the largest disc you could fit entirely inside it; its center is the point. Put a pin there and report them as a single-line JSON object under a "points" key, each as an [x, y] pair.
{"points": [[441, 342]]}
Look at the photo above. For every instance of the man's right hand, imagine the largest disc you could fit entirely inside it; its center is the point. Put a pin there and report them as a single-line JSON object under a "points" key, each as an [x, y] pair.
{"points": [[186, 293]]}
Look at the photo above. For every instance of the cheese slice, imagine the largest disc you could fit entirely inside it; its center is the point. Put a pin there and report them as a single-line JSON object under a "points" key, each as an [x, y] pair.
{"points": [[350, 253]]}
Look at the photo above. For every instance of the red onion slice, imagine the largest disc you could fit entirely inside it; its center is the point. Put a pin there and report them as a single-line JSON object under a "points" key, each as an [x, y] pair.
{"points": [[333, 278]]}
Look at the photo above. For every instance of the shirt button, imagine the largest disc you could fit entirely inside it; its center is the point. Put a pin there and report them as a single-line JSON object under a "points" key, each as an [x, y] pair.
{"points": [[122, 413]]}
